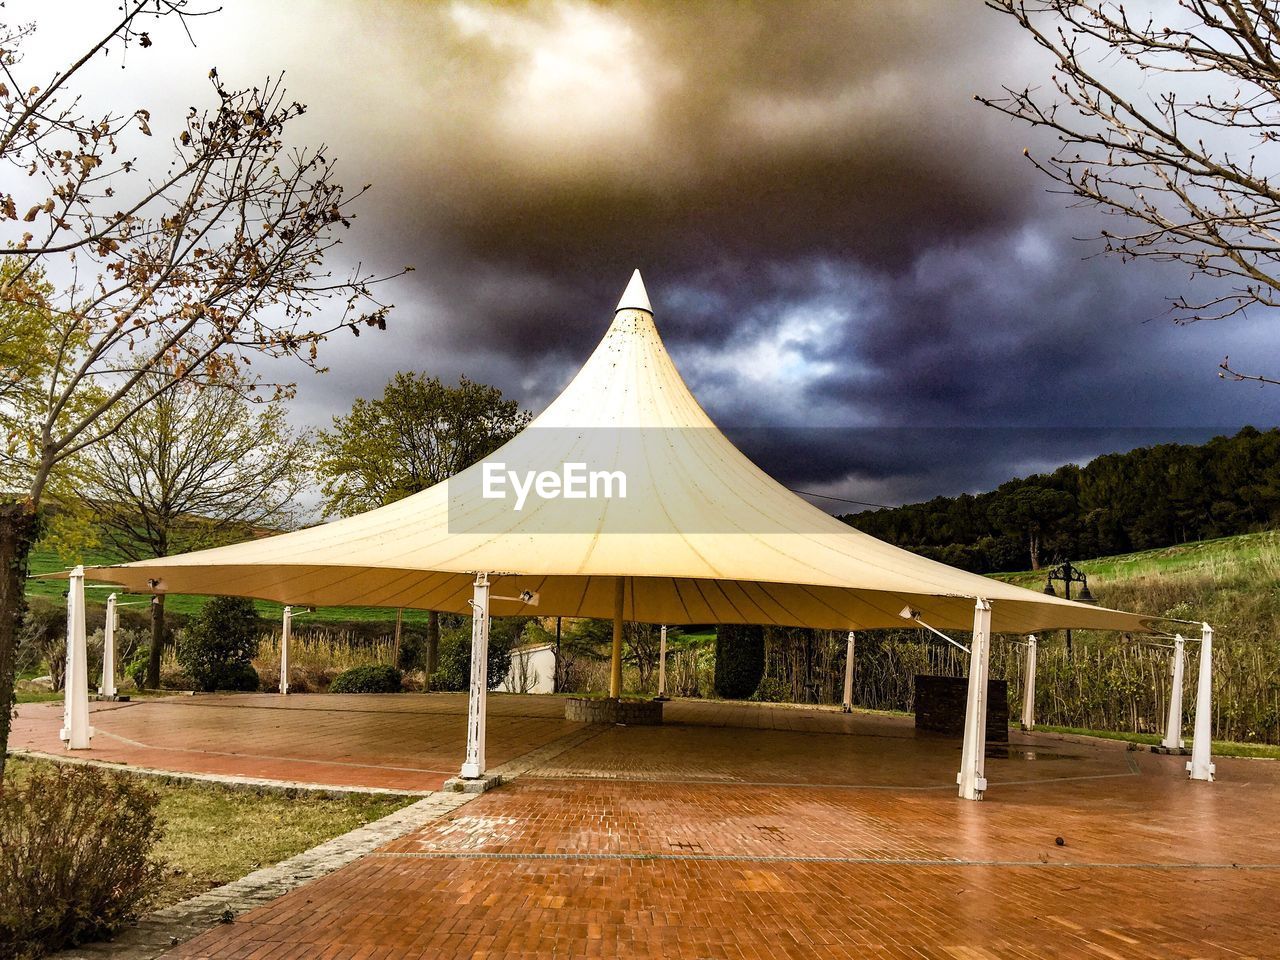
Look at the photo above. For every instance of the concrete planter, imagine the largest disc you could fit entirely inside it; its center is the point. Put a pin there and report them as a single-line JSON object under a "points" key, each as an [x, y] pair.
{"points": [[635, 713]]}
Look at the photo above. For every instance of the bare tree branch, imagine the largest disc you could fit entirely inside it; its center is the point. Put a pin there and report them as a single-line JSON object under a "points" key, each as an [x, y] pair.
{"points": [[1168, 120]]}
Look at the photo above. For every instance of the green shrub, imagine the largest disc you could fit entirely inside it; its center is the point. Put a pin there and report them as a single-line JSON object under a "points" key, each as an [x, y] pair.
{"points": [[137, 667], [75, 857], [739, 660], [771, 690], [220, 643], [376, 678], [453, 665], [232, 676], [412, 649]]}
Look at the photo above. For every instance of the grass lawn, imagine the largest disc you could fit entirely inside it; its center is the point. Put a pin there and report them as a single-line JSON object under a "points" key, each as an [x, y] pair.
{"points": [[37, 696], [213, 834], [1221, 748]]}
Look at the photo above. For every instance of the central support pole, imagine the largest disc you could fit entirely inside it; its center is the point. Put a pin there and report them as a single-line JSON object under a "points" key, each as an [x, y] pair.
{"points": [[108, 686], [286, 634], [478, 702], [1029, 686], [662, 663], [615, 665], [1173, 724], [75, 682], [848, 675], [972, 776], [1200, 766]]}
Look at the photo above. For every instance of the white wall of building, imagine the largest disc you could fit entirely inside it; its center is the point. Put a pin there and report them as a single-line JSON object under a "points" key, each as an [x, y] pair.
{"points": [[533, 670]]}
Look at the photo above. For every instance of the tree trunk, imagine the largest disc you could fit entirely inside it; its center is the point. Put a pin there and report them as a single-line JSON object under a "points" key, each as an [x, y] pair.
{"points": [[19, 525], [157, 642], [432, 655]]}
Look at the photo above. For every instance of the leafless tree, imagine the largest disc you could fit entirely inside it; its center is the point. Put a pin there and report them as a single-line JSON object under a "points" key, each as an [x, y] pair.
{"points": [[193, 468], [643, 641], [181, 268], [1167, 115], [67, 159]]}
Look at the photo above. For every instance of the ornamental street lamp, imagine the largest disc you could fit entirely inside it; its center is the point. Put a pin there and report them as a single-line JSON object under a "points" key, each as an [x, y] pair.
{"points": [[1068, 574]]}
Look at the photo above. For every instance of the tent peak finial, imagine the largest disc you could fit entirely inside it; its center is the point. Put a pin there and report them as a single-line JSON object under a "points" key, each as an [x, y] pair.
{"points": [[635, 297]]}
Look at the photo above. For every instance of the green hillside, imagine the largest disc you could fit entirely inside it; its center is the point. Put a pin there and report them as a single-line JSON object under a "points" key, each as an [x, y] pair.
{"points": [[1232, 582], [1253, 551]]}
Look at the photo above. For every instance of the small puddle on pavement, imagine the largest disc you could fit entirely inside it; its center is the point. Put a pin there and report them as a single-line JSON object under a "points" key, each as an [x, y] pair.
{"points": [[1021, 753]]}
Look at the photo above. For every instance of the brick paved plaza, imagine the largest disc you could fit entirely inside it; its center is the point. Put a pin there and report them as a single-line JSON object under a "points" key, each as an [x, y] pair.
{"points": [[734, 831]]}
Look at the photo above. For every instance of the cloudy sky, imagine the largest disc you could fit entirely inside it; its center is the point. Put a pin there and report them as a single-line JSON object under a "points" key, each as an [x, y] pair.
{"points": [[834, 235]]}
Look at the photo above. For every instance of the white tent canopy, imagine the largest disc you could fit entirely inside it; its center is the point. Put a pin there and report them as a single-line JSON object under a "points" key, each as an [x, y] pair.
{"points": [[702, 536], [684, 529]]}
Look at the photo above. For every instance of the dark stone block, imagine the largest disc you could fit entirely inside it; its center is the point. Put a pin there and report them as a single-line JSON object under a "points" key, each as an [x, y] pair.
{"points": [[941, 702]]}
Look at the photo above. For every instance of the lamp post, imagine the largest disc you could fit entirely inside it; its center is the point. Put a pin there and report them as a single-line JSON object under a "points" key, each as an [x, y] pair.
{"points": [[1068, 573]]}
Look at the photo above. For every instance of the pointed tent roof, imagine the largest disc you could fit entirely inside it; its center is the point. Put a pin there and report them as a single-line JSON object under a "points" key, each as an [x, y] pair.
{"points": [[702, 536]]}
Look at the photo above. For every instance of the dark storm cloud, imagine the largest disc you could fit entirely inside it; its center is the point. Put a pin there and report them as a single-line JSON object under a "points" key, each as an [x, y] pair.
{"points": [[1011, 355], [565, 143]]}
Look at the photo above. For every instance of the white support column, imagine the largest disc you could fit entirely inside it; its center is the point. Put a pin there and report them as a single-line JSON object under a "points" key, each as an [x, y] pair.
{"points": [[1029, 686], [286, 634], [75, 693], [662, 664], [1200, 766], [477, 704], [972, 776], [615, 662], [848, 675], [108, 686], [1173, 723]]}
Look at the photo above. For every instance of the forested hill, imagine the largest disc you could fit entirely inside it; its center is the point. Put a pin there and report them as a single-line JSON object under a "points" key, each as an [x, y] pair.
{"points": [[1146, 498]]}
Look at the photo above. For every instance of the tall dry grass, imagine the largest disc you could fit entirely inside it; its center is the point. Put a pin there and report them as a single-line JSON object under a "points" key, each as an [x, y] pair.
{"points": [[317, 655]]}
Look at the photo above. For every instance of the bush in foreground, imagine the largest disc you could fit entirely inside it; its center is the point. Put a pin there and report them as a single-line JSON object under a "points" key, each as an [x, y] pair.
{"points": [[377, 678], [219, 645], [75, 858]]}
